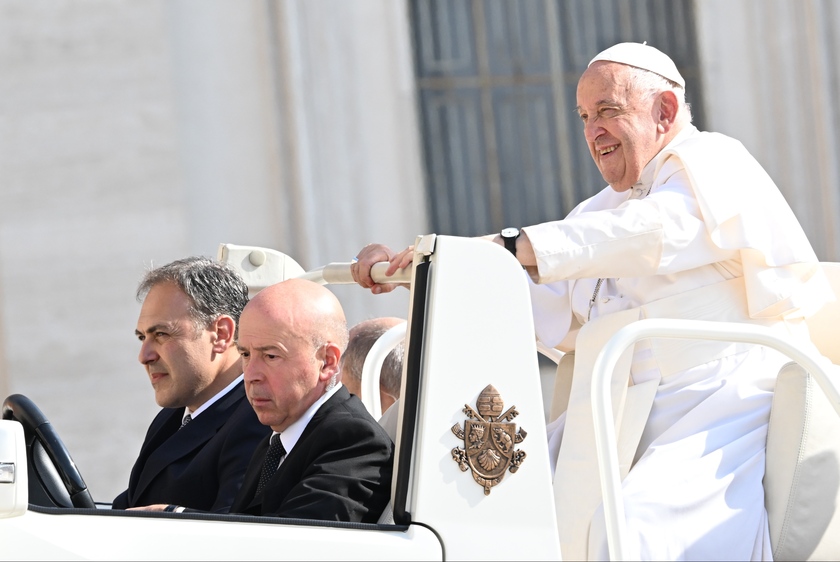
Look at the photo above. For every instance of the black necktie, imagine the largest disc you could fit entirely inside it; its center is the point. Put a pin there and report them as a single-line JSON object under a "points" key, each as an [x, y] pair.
{"points": [[187, 419], [272, 461]]}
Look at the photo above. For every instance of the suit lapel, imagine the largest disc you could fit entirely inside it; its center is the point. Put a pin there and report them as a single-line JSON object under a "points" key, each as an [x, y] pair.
{"points": [[339, 397], [165, 424], [289, 463], [173, 444], [248, 491]]}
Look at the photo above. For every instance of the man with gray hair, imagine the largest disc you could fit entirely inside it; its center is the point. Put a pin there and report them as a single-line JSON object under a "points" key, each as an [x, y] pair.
{"points": [[362, 337], [197, 448]]}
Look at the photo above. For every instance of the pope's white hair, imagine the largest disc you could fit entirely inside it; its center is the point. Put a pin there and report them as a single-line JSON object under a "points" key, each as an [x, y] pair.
{"points": [[647, 83]]}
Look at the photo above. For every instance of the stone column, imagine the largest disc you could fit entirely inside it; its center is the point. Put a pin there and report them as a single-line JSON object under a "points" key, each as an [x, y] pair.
{"points": [[771, 79]]}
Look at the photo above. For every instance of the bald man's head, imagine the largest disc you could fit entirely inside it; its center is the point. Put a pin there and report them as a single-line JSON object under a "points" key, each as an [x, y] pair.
{"points": [[312, 310], [291, 337]]}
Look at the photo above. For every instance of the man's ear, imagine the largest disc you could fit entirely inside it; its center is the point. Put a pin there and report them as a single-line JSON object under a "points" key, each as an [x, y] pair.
{"points": [[667, 111], [330, 360], [224, 329]]}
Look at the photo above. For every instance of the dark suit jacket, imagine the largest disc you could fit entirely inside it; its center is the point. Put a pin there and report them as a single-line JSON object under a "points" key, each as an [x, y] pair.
{"points": [[200, 466], [339, 470]]}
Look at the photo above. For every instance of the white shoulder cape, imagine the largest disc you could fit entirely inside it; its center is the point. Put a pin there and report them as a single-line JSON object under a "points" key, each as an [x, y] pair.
{"points": [[744, 210]]}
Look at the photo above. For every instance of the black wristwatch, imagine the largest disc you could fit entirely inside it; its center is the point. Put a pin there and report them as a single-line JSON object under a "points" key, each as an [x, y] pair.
{"points": [[509, 236]]}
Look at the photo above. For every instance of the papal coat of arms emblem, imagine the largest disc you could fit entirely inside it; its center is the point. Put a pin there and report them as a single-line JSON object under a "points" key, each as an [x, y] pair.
{"points": [[489, 438]]}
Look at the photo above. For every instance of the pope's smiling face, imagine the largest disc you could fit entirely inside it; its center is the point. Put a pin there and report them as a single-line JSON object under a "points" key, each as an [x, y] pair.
{"points": [[621, 125]]}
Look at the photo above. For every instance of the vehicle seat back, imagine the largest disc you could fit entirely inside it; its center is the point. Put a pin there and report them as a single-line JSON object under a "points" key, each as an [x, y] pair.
{"points": [[259, 267], [802, 478], [822, 327]]}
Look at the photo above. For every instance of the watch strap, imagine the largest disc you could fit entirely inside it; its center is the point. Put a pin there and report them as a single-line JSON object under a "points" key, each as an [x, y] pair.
{"points": [[509, 236]]}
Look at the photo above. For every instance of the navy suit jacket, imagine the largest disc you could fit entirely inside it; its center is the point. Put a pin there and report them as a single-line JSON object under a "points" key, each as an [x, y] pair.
{"points": [[200, 466], [340, 469]]}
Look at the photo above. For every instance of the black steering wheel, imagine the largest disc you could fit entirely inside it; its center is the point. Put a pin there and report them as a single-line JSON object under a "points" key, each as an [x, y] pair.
{"points": [[54, 480]]}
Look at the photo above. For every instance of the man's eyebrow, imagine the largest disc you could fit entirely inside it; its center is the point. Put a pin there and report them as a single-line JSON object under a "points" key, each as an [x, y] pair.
{"points": [[155, 328], [270, 348]]}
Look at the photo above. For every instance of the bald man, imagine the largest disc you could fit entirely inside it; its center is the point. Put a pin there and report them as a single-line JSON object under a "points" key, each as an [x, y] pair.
{"points": [[327, 458], [362, 337]]}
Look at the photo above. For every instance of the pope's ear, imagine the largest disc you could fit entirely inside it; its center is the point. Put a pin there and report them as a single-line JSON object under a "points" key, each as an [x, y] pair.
{"points": [[667, 110]]}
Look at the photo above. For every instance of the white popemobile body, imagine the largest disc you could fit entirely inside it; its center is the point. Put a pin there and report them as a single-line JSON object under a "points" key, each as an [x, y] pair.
{"points": [[472, 478]]}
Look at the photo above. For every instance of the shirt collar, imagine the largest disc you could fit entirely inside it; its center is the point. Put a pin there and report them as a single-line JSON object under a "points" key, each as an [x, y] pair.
{"points": [[213, 400], [291, 434], [641, 188]]}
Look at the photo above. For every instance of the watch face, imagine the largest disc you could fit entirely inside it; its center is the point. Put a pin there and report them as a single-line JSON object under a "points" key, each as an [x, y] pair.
{"points": [[510, 232]]}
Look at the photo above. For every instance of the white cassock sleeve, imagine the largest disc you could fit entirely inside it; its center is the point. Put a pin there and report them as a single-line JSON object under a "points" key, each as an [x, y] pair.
{"points": [[710, 203], [613, 236]]}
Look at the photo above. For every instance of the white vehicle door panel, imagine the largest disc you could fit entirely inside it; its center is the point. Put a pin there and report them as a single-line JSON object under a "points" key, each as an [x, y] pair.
{"points": [[41, 536]]}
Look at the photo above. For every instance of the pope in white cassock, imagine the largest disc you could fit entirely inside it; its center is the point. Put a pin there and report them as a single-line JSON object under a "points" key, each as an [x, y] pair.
{"points": [[690, 227]]}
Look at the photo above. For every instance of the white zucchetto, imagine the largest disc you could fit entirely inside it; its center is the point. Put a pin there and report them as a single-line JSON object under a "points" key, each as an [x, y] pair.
{"points": [[642, 56]]}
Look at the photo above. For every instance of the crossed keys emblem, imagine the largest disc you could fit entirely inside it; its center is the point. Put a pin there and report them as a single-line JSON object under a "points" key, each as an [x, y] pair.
{"points": [[489, 439]]}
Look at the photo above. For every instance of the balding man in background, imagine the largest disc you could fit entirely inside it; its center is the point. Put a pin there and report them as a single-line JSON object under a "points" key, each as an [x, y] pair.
{"points": [[362, 337]]}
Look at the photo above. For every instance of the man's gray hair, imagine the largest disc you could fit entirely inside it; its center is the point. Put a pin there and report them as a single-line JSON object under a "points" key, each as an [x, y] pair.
{"points": [[357, 351], [213, 287], [390, 378]]}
